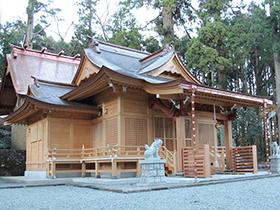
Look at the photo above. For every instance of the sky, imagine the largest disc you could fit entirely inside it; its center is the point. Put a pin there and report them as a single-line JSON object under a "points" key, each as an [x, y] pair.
{"points": [[13, 9]]}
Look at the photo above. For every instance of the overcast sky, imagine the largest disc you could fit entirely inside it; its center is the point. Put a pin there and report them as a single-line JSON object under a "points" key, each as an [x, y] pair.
{"points": [[13, 9]]}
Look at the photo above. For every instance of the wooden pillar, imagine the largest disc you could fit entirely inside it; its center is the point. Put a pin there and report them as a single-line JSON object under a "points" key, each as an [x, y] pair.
{"points": [[228, 144], [97, 173], [193, 123], [266, 134], [83, 169], [180, 134]]}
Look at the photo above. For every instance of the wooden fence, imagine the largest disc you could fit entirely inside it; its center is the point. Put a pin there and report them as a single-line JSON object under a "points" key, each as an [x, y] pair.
{"points": [[196, 161], [245, 159], [203, 161]]}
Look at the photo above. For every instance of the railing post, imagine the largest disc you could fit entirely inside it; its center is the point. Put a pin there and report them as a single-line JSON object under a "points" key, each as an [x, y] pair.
{"points": [[223, 159], [114, 169], [175, 161], [207, 165], [138, 151], [234, 149], [83, 152], [53, 166], [255, 159], [83, 162]]}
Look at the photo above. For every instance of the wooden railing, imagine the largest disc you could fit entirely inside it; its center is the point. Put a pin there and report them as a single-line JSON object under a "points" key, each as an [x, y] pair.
{"points": [[170, 158], [110, 151], [104, 158], [218, 158], [196, 161], [245, 159]]}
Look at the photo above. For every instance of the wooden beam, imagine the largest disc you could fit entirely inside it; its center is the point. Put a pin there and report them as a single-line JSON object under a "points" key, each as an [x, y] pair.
{"points": [[266, 134], [180, 134], [228, 143], [193, 123]]}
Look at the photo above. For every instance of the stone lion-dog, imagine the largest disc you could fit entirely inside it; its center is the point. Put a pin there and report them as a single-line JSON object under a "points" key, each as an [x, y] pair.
{"points": [[152, 151]]}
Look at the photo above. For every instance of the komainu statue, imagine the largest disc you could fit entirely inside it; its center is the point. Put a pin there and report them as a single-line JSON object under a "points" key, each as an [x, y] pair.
{"points": [[275, 149], [152, 151]]}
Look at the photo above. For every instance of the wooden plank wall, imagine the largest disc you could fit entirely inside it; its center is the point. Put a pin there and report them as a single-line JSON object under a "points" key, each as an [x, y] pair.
{"points": [[125, 119], [69, 133], [105, 128], [36, 145], [135, 118]]}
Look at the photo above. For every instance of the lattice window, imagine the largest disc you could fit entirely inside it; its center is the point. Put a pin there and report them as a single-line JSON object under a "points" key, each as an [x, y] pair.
{"points": [[135, 131], [112, 131], [206, 134], [165, 130], [188, 132]]}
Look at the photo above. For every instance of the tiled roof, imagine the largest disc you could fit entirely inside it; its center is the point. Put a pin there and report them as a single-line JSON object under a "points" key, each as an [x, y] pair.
{"points": [[128, 61], [25, 63]]}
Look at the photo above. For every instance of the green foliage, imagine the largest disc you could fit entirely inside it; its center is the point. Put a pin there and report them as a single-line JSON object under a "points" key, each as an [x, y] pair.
{"points": [[151, 44], [124, 30], [247, 130], [171, 13], [5, 137], [10, 33], [132, 39], [207, 52], [84, 30]]}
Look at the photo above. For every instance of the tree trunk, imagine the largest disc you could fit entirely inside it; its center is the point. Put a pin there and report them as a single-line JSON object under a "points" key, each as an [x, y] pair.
{"points": [[222, 80], [167, 24], [30, 22], [276, 58]]}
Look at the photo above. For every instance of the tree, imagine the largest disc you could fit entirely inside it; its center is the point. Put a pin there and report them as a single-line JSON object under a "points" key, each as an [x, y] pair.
{"points": [[275, 25], [208, 51], [34, 7], [10, 33], [171, 13]]}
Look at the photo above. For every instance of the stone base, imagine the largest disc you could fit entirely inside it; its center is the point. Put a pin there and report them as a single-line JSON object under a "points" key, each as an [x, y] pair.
{"points": [[275, 165], [36, 174], [152, 171]]}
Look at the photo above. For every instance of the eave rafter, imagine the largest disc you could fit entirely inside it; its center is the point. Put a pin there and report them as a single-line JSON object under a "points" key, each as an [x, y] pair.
{"points": [[31, 107], [224, 96]]}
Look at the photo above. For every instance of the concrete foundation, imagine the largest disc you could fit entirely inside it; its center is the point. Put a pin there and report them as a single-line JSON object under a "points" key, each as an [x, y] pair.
{"points": [[36, 174], [275, 165]]}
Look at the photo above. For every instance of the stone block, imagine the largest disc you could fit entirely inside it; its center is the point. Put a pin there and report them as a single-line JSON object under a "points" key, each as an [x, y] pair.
{"points": [[275, 165]]}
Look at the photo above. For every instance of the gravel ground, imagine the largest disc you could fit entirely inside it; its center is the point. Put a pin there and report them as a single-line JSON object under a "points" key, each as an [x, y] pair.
{"points": [[256, 194]]}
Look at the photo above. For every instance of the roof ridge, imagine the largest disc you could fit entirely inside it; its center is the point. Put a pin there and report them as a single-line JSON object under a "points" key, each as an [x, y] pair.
{"points": [[43, 51], [151, 55], [48, 82], [123, 47], [157, 53]]}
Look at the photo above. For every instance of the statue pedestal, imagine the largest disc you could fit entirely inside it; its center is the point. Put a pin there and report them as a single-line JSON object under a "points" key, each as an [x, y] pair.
{"points": [[275, 164], [152, 171]]}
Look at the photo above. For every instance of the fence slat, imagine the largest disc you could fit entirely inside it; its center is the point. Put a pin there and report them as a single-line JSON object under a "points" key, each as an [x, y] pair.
{"points": [[245, 159]]}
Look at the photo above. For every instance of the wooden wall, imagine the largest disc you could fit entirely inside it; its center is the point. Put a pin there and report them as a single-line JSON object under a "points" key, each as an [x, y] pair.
{"points": [[125, 119], [51, 133], [69, 133], [36, 145], [135, 119]]}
